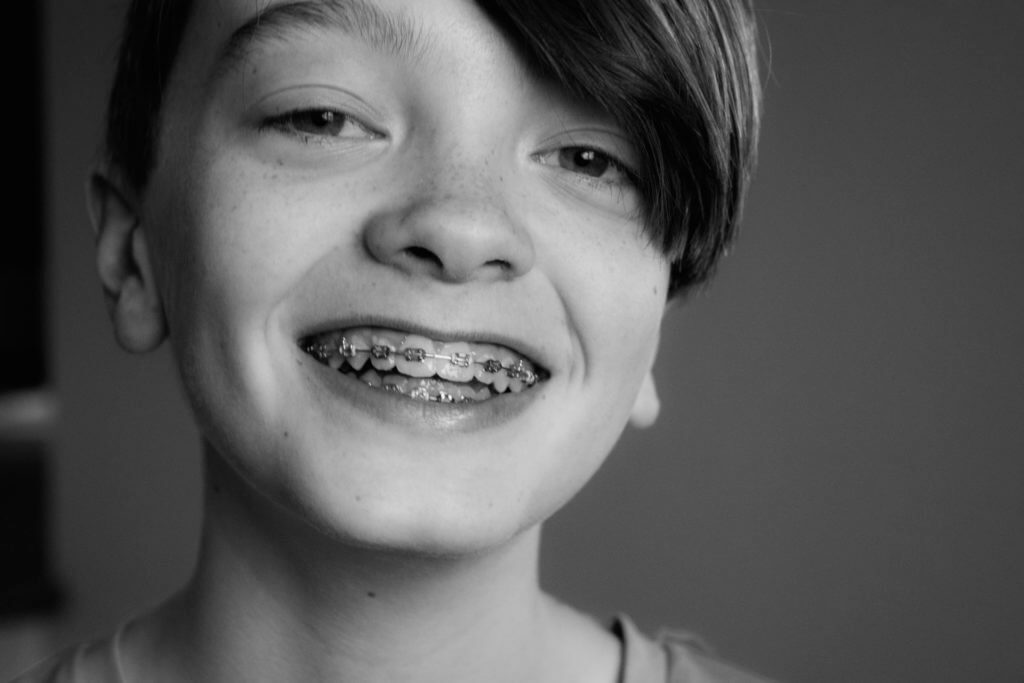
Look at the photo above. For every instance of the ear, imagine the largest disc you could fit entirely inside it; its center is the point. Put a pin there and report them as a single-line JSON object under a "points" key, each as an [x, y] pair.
{"points": [[122, 259], [647, 405]]}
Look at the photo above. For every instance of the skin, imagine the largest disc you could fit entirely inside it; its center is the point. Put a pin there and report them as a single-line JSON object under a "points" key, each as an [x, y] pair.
{"points": [[351, 534]]}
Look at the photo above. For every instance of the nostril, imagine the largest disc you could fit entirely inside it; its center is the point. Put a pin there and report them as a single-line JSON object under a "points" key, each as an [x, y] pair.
{"points": [[449, 242], [424, 254], [500, 263]]}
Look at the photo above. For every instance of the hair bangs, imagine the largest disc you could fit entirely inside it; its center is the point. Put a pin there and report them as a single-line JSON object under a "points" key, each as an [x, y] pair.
{"points": [[680, 77]]}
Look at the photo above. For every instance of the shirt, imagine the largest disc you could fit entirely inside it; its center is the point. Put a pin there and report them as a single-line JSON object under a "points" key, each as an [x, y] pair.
{"points": [[672, 657]]}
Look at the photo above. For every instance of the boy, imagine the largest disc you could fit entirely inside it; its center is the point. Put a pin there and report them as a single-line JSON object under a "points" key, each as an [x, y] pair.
{"points": [[412, 258]]}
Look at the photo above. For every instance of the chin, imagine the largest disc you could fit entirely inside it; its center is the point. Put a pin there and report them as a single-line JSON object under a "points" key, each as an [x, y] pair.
{"points": [[414, 516], [424, 528]]}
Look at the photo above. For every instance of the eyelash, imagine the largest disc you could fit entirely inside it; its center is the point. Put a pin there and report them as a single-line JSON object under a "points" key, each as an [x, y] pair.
{"points": [[596, 155], [288, 123]]}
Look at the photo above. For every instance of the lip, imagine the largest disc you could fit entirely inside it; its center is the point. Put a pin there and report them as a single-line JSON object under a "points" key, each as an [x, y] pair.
{"points": [[421, 416], [425, 416]]}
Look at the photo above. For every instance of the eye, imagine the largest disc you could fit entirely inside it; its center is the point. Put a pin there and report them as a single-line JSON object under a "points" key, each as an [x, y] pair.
{"points": [[320, 125], [589, 162]]}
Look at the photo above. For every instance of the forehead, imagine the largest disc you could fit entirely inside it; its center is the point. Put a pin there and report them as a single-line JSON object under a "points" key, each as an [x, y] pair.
{"points": [[224, 34]]}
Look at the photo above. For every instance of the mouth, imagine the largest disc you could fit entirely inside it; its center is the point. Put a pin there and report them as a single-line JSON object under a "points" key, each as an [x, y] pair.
{"points": [[423, 369]]}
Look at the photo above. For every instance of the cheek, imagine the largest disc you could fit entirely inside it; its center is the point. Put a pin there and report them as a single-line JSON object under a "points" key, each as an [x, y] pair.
{"points": [[224, 259], [230, 242], [614, 287]]}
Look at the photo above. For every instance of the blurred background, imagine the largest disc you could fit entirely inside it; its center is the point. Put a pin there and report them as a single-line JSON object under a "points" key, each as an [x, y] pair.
{"points": [[835, 490]]}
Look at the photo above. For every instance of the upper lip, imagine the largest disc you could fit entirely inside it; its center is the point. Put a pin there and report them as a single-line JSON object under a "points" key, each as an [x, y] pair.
{"points": [[523, 347]]}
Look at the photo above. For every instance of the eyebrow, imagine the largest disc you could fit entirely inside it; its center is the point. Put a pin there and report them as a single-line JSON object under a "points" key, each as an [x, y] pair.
{"points": [[384, 31]]}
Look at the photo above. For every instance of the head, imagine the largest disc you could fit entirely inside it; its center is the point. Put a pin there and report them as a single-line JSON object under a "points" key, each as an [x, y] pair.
{"points": [[680, 77], [526, 183]]}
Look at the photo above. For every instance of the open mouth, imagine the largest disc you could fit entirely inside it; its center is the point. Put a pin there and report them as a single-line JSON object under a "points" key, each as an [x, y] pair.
{"points": [[424, 369]]}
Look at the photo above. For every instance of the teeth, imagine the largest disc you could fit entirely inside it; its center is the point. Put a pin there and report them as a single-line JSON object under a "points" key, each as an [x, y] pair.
{"points": [[358, 361], [415, 357], [382, 352], [500, 382], [355, 357], [420, 393], [455, 362], [395, 383], [507, 358], [421, 368], [372, 378]]}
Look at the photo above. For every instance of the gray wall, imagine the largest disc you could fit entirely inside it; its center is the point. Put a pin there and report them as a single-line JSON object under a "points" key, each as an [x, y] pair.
{"points": [[836, 489], [127, 470]]}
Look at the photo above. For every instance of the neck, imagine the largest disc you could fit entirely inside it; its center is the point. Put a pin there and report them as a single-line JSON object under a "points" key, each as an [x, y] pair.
{"points": [[275, 599]]}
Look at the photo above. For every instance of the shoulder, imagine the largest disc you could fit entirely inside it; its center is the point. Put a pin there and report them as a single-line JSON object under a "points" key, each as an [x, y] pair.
{"points": [[673, 657], [688, 661], [92, 662]]}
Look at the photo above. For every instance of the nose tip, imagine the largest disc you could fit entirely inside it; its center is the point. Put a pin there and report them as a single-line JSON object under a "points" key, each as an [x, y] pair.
{"points": [[451, 238]]}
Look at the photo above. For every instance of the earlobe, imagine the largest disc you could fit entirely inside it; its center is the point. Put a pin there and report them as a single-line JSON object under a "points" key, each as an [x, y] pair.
{"points": [[125, 269], [647, 405]]}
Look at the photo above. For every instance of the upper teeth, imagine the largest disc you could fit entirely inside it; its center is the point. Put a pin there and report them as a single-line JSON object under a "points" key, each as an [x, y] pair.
{"points": [[417, 356], [414, 354]]}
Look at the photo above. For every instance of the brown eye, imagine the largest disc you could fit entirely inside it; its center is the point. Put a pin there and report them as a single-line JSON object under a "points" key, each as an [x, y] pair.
{"points": [[318, 122], [588, 163], [320, 125], [584, 160]]}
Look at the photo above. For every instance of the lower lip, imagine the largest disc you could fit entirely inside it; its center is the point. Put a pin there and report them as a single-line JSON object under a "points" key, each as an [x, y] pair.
{"points": [[427, 416]]}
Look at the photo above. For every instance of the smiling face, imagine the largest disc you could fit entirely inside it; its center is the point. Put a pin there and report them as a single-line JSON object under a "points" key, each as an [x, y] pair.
{"points": [[352, 195]]}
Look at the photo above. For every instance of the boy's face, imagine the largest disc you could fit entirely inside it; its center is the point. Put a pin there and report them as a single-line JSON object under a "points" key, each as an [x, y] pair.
{"points": [[387, 169]]}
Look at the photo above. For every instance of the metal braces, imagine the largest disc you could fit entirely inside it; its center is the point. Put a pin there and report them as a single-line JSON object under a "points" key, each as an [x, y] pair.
{"points": [[517, 370], [423, 394]]}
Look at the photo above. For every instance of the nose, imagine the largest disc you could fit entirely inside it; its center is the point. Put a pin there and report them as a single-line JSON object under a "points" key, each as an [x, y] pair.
{"points": [[455, 229]]}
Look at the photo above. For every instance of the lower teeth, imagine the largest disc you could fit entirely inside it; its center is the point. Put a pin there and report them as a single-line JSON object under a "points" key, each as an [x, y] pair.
{"points": [[431, 389]]}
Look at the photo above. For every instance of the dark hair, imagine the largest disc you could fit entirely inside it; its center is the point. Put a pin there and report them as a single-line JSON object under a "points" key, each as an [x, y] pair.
{"points": [[680, 76], [152, 33]]}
